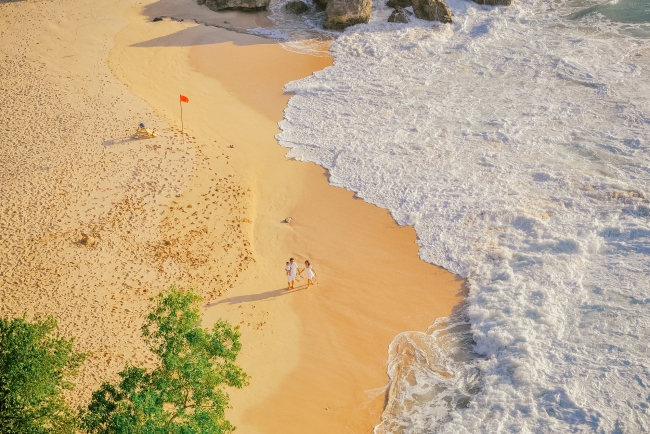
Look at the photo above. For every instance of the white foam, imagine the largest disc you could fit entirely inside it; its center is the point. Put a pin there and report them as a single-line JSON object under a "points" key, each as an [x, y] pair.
{"points": [[305, 30], [269, 33], [517, 144]]}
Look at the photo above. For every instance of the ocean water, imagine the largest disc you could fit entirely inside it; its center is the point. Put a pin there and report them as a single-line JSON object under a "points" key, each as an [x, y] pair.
{"points": [[517, 142]]}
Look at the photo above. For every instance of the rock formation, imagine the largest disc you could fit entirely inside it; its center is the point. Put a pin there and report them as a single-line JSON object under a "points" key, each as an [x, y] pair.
{"points": [[400, 3], [320, 4], [494, 2], [432, 10], [296, 7], [243, 5], [340, 14], [398, 16]]}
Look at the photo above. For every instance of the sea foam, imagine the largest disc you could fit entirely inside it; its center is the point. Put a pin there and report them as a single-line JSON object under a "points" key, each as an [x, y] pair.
{"points": [[517, 142]]}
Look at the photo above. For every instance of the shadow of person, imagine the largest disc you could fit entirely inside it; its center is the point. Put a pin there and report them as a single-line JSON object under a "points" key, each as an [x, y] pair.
{"points": [[113, 142], [268, 295]]}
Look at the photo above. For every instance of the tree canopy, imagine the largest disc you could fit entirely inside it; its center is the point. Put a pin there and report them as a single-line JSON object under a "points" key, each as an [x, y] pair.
{"points": [[35, 367], [184, 393]]}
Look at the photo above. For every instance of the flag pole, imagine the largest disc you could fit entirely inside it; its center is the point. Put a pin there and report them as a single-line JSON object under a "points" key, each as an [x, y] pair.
{"points": [[180, 101]]}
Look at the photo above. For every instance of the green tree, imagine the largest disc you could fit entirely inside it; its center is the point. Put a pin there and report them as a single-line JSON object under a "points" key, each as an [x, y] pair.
{"points": [[35, 366], [184, 394]]}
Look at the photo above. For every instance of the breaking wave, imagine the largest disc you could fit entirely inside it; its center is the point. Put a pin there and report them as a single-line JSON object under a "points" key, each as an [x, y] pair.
{"points": [[517, 142]]}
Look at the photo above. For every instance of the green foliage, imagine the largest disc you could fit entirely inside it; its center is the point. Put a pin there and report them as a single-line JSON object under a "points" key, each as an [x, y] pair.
{"points": [[184, 394], [35, 365]]}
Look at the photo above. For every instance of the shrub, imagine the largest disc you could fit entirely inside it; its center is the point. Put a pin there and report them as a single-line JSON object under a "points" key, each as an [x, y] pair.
{"points": [[35, 367], [184, 394]]}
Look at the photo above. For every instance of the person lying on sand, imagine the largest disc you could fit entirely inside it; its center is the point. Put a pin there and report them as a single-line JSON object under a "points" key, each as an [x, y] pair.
{"points": [[310, 274], [145, 132]]}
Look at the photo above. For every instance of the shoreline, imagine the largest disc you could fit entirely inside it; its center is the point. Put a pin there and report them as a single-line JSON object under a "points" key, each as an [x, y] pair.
{"points": [[303, 383], [208, 212]]}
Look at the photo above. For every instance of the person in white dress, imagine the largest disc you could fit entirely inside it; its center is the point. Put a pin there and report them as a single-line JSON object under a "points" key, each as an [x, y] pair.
{"points": [[310, 274]]}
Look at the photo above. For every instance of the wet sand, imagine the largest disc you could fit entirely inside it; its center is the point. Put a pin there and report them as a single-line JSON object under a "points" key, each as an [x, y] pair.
{"points": [[212, 218]]}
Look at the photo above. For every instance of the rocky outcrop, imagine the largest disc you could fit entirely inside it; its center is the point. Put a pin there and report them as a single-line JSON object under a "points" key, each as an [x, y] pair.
{"points": [[320, 4], [400, 3], [398, 16], [340, 14], [432, 10], [494, 2], [296, 7], [242, 5]]}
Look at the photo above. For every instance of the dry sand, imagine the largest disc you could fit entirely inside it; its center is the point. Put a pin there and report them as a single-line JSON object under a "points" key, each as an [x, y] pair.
{"points": [[81, 200], [93, 223]]}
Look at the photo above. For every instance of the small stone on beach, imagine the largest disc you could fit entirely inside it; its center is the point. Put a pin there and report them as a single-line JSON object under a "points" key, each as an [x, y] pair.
{"points": [[87, 240]]}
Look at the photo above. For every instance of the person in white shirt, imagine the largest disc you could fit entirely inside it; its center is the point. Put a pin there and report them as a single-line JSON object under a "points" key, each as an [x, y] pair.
{"points": [[293, 270]]}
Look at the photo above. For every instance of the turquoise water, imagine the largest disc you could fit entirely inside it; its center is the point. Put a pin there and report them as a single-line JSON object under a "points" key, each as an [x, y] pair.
{"points": [[622, 11]]}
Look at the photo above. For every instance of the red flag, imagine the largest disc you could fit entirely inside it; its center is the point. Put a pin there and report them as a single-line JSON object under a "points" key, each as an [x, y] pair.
{"points": [[184, 98]]}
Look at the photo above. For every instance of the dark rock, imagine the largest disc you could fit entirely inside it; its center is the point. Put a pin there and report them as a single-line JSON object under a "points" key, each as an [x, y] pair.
{"points": [[432, 10], [320, 4], [242, 5], [398, 16], [340, 14], [494, 2], [296, 7], [155, 20], [400, 3]]}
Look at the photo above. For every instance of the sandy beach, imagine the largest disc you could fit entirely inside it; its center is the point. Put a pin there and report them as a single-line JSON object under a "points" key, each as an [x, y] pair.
{"points": [[93, 223]]}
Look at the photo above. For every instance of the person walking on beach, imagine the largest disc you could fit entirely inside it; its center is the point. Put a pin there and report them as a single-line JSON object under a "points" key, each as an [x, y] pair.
{"points": [[310, 274], [293, 269]]}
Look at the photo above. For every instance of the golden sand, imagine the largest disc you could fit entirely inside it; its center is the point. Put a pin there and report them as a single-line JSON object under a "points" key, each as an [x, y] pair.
{"points": [[206, 212]]}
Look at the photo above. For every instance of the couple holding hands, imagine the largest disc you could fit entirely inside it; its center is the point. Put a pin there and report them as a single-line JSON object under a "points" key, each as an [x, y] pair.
{"points": [[292, 270]]}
